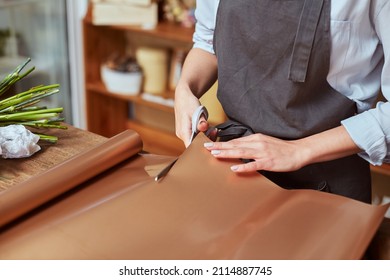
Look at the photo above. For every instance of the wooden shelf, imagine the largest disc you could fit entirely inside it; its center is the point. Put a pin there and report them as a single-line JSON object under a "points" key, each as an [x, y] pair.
{"points": [[164, 30], [99, 88]]}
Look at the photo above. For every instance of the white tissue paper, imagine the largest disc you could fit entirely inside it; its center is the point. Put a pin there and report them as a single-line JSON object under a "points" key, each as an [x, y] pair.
{"points": [[17, 142]]}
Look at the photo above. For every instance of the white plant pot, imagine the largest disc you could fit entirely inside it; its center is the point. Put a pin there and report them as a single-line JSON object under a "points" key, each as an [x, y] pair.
{"points": [[127, 83]]}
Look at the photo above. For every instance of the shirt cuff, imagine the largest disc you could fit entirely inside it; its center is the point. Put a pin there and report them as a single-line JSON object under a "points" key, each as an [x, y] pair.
{"points": [[206, 46], [368, 136]]}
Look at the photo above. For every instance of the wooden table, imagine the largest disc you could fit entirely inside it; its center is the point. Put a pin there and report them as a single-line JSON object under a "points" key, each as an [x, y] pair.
{"points": [[71, 141]]}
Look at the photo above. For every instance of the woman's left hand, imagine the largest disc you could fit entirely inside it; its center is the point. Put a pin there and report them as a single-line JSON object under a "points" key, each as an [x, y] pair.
{"points": [[273, 154], [268, 153]]}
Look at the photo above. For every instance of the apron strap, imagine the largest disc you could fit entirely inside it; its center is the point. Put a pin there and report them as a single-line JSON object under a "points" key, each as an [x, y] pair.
{"points": [[304, 40]]}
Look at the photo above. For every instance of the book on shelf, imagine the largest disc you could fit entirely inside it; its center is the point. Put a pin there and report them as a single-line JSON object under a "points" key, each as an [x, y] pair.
{"points": [[108, 13]]}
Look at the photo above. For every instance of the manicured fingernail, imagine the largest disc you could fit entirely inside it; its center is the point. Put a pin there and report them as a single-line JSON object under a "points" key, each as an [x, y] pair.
{"points": [[234, 168], [208, 144], [215, 152]]}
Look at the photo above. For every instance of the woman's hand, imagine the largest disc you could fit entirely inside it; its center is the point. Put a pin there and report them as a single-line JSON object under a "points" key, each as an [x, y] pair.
{"points": [[185, 105], [273, 154], [267, 153]]}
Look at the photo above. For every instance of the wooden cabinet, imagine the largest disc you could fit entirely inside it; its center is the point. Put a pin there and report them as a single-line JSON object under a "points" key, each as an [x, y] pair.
{"points": [[109, 113]]}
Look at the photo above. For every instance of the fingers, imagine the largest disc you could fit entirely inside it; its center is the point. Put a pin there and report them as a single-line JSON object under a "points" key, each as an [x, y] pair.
{"points": [[246, 167], [185, 135], [229, 150], [232, 153], [233, 149], [183, 121], [203, 125], [266, 153]]}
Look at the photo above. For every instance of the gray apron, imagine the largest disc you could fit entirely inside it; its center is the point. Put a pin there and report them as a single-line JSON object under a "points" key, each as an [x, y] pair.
{"points": [[273, 61]]}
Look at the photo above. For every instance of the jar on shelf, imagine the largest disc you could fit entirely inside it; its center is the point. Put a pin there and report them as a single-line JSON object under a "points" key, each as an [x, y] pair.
{"points": [[154, 63]]}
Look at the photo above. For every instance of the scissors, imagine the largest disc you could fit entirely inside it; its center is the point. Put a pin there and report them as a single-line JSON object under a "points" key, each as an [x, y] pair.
{"points": [[199, 112]]}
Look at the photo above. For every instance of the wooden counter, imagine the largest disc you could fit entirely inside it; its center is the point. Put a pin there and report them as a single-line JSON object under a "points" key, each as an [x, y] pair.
{"points": [[71, 141]]}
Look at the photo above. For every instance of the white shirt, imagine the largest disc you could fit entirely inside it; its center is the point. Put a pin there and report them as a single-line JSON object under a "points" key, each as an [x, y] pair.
{"points": [[359, 66]]}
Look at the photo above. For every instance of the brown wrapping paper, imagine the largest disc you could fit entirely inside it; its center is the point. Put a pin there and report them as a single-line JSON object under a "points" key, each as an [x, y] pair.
{"points": [[30, 194], [201, 210]]}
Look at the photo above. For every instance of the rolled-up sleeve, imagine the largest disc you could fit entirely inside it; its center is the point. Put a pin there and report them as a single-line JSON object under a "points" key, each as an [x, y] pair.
{"points": [[370, 130], [205, 15]]}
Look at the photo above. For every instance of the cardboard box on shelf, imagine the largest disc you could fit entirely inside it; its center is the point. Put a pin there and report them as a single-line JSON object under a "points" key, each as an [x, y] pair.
{"points": [[109, 13]]}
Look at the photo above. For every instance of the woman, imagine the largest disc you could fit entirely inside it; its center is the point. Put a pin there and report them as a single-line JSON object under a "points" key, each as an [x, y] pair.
{"points": [[300, 77]]}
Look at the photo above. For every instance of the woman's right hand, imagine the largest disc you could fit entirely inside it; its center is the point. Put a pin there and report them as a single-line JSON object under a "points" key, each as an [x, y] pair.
{"points": [[185, 105]]}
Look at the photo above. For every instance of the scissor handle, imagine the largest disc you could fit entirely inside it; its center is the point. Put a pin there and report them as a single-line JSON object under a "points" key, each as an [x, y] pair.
{"points": [[201, 110]]}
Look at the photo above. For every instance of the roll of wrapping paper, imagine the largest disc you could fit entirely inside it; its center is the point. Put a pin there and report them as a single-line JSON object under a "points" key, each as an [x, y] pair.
{"points": [[34, 192]]}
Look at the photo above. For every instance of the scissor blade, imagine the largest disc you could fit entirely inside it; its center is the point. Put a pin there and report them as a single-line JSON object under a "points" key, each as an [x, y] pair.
{"points": [[165, 171]]}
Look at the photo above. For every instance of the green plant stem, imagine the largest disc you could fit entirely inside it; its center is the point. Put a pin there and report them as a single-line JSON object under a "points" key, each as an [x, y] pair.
{"points": [[48, 138], [21, 108], [14, 76], [32, 115], [29, 93]]}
